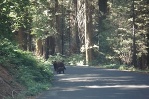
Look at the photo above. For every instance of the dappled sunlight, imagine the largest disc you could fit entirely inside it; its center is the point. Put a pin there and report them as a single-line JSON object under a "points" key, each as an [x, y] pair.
{"points": [[93, 78], [79, 79], [121, 79], [61, 75], [72, 89], [103, 82], [118, 86]]}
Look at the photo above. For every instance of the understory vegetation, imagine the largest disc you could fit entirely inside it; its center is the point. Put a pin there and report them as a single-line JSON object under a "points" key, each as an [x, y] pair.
{"points": [[124, 68], [33, 73]]}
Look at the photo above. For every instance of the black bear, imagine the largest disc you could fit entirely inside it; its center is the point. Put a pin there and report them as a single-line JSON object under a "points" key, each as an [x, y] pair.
{"points": [[59, 67], [55, 65]]}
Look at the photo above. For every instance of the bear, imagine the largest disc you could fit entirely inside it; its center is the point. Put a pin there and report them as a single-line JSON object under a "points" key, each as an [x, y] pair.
{"points": [[59, 66]]}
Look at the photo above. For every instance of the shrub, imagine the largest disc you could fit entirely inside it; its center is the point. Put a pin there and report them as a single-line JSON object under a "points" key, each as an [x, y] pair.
{"points": [[57, 57], [75, 59], [33, 73]]}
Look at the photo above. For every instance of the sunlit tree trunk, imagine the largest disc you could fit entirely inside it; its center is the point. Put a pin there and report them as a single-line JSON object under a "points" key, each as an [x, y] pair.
{"points": [[46, 48], [39, 47], [80, 21], [82, 18], [88, 32], [86, 42], [58, 48]]}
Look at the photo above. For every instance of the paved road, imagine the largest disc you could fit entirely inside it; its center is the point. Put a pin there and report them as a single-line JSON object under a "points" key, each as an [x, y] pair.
{"points": [[95, 83]]}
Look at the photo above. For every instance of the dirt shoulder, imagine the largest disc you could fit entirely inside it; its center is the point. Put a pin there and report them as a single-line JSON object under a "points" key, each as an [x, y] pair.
{"points": [[8, 86]]}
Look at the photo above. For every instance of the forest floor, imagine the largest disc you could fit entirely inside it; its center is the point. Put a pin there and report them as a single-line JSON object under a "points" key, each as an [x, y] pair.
{"points": [[8, 86]]}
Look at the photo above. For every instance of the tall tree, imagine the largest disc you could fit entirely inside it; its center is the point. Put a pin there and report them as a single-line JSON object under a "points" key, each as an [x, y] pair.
{"points": [[58, 27], [74, 28], [89, 31], [39, 47], [85, 29], [21, 23], [43, 26], [134, 58], [117, 32], [141, 25]]}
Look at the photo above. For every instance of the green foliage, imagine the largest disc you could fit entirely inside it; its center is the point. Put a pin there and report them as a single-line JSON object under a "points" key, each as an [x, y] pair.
{"points": [[119, 67], [57, 57], [14, 14], [5, 20], [37, 87], [106, 37], [120, 37], [19, 14], [42, 18], [111, 66], [75, 59], [6, 50], [125, 67], [35, 74], [141, 22]]}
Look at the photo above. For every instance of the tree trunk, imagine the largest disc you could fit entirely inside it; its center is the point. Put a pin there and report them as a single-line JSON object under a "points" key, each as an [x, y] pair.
{"points": [[134, 57], [29, 42], [102, 14], [51, 45], [147, 59], [89, 31], [46, 48], [102, 6], [39, 47], [148, 45], [22, 39], [80, 21], [142, 62], [58, 36], [83, 18], [74, 29]]}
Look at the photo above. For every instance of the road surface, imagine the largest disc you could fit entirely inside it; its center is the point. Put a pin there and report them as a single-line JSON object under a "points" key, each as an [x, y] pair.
{"points": [[95, 83]]}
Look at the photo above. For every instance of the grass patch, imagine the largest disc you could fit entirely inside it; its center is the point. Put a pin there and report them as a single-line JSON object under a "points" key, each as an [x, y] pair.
{"points": [[110, 66], [124, 67]]}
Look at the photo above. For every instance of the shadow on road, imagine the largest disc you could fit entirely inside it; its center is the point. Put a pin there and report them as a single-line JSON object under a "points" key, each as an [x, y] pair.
{"points": [[96, 83]]}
